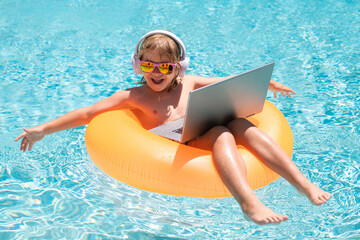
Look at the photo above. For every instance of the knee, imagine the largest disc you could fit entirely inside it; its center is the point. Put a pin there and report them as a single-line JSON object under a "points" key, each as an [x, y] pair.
{"points": [[239, 125], [221, 133], [217, 134]]}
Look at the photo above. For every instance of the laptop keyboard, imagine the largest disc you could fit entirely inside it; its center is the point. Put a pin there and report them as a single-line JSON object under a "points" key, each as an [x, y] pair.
{"points": [[179, 130]]}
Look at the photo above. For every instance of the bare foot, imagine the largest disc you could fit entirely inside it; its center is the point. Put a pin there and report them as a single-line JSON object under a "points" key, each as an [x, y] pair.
{"points": [[260, 214], [315, 194]]}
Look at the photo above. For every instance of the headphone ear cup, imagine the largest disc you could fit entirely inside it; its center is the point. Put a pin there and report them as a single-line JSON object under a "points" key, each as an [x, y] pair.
{"points": [[184, 65], [135, 64]]}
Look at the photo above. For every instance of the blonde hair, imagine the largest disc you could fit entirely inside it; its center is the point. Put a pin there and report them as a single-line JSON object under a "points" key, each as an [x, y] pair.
{"points": [[164, 45]]}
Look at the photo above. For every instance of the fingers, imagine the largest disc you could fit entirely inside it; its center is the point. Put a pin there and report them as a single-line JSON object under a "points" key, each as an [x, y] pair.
{"points": [[284, 93], [27, 140], [30, 146], [20, 136], [274, 94], [289, 92], [24, 144]]}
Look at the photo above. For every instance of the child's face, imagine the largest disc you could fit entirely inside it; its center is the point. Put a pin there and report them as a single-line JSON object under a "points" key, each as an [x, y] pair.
{"points": [[156, 80]]}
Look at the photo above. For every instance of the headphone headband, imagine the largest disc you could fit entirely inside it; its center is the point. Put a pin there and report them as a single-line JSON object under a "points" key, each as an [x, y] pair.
{"points": [[184, 60], [167, 33]]}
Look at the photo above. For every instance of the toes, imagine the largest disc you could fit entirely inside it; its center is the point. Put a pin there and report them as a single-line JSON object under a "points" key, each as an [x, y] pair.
{"points": [[262, 222], [282, 218], [317, 202], [327, 196], [322, 198], [272, 220], [276, 220]]}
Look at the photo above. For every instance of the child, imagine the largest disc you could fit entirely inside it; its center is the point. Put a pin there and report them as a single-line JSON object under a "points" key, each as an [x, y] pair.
{"points": [[163, 96]]}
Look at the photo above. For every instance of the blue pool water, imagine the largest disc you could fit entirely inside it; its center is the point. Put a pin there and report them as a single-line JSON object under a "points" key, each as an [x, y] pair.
{"points": [[56, 56]]}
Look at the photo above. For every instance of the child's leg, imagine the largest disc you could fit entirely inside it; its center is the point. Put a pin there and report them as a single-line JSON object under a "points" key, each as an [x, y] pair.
{"points": [[274, 157], [232, 170]]}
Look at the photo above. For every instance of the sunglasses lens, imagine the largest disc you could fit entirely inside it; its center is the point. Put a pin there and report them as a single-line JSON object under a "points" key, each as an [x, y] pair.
{"points": [[166, 68], [147, 67]]}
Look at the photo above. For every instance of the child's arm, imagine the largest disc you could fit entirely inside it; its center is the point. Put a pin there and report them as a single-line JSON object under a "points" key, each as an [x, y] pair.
{"points": [[76, 118], [199, 82], [276, 87]]}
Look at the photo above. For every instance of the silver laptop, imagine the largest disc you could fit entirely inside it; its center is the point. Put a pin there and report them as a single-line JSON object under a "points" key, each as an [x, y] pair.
{"points": [[217, 104]]}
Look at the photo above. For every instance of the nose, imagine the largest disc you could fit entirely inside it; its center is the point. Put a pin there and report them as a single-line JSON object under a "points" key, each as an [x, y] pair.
{"points": [[156, 70]]}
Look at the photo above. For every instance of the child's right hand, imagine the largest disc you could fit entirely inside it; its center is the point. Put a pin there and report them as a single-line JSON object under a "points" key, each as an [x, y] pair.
{"points": [[29, 137]]}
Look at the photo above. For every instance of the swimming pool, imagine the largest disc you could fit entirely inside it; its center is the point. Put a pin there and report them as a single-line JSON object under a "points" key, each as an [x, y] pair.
{"points": [[56, 56]]}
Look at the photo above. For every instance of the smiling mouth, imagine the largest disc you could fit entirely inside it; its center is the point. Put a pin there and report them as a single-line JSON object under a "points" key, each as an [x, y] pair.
{"points": [[157, 81]]}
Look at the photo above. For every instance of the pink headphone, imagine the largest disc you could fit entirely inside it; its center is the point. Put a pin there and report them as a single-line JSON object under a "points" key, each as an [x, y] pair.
{"points": [[184, 60]]}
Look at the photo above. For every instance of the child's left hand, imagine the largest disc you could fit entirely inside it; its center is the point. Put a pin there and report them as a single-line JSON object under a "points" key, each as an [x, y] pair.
{"points": [[277, 87]]}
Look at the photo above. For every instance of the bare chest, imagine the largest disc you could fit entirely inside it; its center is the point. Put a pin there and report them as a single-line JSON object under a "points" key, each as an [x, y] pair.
{"points": [[163, 113], [155, 112], [154, 109]]}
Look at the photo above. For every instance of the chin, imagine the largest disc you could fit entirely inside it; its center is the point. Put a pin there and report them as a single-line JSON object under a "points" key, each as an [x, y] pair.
{"points": [[158, 85]]}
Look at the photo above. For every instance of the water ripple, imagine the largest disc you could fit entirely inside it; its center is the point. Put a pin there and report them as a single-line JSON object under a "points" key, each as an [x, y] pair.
{"points": [[56, 56]]}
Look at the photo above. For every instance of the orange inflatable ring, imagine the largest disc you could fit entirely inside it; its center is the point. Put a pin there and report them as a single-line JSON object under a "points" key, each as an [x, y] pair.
{"points": [[123, 149]]}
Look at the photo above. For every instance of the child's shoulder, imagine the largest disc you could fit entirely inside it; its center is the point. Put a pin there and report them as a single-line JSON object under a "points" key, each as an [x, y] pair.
{"points": [[126, 95], [138, 93]]}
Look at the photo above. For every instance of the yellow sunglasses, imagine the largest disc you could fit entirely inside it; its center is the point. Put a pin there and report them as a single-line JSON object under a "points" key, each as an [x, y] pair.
{"points": [[164, 68]]}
